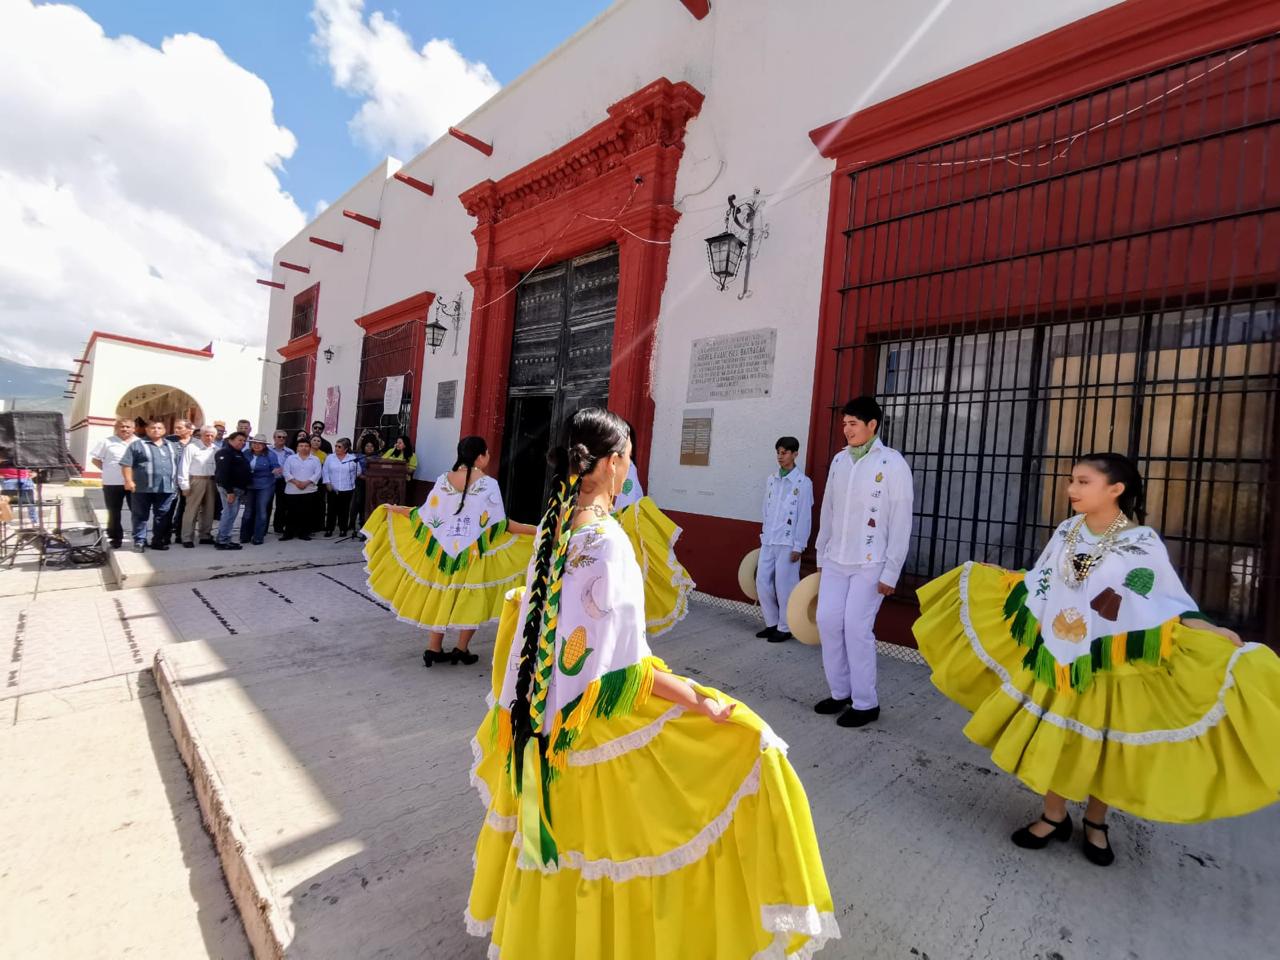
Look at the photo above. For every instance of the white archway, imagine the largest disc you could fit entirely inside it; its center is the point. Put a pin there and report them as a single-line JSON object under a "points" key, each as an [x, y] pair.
{"points": [[159, 401]]}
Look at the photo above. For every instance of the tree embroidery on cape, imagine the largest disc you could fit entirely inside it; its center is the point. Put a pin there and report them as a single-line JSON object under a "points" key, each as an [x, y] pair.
{"points": [[1043, 583], [1140, 580], [574, 653]]}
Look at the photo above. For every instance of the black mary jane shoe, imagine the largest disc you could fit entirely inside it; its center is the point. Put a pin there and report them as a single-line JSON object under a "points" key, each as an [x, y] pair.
{"points": [[465, 657], [1027, 840], [435, 656], [1098, 856]]}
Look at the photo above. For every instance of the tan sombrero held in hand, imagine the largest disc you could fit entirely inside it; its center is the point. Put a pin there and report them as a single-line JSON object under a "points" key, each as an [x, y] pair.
{"points": [[802, 610], [747, 574]]}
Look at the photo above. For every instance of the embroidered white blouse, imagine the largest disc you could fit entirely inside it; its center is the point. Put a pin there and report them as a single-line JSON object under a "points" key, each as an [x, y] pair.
{"points": [[456, 530]]}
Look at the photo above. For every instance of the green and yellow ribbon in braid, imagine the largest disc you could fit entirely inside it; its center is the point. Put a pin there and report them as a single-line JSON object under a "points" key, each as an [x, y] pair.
{"points": [[544, 662]]}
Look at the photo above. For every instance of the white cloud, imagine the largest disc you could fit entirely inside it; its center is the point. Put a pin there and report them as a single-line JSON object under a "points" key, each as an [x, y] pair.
{"points": [[139, 187], [411, 96]]}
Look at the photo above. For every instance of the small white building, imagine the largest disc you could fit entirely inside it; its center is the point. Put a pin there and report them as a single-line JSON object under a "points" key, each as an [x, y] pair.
{"points": [[1029, 228], [120, 376]]}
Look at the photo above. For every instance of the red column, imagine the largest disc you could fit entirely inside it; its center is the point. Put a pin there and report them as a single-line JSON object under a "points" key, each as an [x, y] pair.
{"points": [[489, 355]]}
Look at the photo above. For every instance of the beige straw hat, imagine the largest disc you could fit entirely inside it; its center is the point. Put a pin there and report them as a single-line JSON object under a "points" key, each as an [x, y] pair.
{"points": [[747, 574], [802, 610]]}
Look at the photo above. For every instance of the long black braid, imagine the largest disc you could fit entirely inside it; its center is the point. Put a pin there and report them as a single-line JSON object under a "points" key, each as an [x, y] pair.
{"points": [[593, 433], [470, 449]]}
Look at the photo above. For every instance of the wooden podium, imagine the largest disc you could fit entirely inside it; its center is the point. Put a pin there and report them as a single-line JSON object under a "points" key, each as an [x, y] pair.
{"points": [[385, 481]]}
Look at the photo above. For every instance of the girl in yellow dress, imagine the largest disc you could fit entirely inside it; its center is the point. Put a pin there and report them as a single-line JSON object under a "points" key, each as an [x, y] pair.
{"points": [[1093, 676], [653, 536], [630, 813], [449, 563]]}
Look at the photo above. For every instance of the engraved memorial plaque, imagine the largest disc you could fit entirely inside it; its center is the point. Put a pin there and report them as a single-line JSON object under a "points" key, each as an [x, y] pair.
{"points": [[734, 366]]}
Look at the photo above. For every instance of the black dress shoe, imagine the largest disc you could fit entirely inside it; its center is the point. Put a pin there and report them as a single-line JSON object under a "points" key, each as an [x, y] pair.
{"points": [[831, 706], [465, 657], [766, 633], [779, 636], [435, 656], [1027, 840], [159, 546], [1099, 856], [304, 536], [209, 541], [853, 717], [188, 544]]}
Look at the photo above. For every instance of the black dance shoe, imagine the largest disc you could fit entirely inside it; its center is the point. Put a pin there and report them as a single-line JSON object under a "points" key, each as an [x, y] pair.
{"points": [[1027, 840], [1098, 856]]}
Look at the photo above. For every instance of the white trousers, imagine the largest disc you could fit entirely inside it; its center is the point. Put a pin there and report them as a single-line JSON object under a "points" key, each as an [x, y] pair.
{"points": [[848, 602], [776, 577]]}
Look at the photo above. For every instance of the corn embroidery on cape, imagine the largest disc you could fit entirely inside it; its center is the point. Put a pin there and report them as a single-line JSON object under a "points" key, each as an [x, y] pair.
{"points": [[441, 567], [644, 830], [1100, 688], [653, 536]]}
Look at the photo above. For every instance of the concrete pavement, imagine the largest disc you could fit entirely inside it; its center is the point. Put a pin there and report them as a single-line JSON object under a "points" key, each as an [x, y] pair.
{"points": [[334, 768]]}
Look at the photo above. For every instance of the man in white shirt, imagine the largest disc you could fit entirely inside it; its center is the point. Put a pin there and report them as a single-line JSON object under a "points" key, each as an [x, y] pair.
{"points": [[863, 537], [195, 480], [106, 457], [341, 468], [784, 534], [280, 452]]}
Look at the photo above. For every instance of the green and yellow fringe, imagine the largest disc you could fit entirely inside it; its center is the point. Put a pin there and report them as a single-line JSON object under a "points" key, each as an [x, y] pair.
{"points": [[1149, 646], [450, 565]]}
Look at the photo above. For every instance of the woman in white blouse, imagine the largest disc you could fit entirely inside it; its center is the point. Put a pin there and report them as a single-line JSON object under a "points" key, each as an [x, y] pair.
{"points": [[302, 477]]}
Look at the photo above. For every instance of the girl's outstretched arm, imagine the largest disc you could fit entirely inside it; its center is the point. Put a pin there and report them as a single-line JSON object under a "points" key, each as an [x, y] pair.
{"points": [[680, 692]]}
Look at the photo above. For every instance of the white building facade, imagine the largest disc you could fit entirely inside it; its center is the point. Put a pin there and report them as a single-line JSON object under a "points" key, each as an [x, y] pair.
{"points": [[119, 376], [911, 162]]}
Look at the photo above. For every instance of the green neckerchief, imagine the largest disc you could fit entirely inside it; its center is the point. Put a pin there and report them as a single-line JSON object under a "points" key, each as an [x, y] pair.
{"points": [[784, 473], [861, 451]]}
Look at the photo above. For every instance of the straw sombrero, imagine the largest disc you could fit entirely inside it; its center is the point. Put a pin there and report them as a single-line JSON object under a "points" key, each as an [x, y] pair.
{"points": [[747, 574], [802, 610]]}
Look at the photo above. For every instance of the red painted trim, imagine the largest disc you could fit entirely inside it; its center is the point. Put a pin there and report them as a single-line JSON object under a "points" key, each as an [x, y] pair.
{"points": [[470, 141], [294, 266], [93, 422], [1116, 43], [361, 218], [91, 474], [307, 343], [397, 313], [699, 8], [427, 188], [574, 195], [272, 283], [327, 244]]}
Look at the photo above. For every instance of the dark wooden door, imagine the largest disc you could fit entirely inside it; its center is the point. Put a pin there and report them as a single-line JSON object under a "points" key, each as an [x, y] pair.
{"points": [[561, 353]]}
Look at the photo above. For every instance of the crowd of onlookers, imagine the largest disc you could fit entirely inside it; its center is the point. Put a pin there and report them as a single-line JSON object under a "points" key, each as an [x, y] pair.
{"points": [[195, 484]]}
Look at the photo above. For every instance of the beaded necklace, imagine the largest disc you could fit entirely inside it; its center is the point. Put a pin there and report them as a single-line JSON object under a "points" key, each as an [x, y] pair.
{"points": [[1076, 567]]}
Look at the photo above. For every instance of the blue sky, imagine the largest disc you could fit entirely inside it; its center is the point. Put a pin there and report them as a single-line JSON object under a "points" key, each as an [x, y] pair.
{"points": [[272, 38]]}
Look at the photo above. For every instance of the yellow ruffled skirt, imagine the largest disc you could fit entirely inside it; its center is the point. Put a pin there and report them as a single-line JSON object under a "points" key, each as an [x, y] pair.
{"points": [[1192, 738], [677, 837], [667, 584], [414, 582]]}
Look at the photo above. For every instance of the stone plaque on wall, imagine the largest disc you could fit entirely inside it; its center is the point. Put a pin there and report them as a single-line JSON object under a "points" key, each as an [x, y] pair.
{"points": [[446, 399], [733, 366], [695, 438]]}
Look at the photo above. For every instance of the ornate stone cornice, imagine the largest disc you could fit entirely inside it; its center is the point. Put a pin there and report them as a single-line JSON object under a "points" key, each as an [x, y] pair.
{"points": [[655, 115]]}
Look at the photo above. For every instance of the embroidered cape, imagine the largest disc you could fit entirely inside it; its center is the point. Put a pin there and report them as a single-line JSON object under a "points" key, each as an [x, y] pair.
{"points": [[1123, 611], [459, 537]]}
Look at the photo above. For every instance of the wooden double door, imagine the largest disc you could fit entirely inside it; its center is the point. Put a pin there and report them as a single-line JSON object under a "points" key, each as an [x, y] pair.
{"points": [[561, 354]]}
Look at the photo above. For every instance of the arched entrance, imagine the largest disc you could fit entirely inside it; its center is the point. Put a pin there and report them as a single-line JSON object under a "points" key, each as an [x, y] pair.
{"points": [[159, 401]]}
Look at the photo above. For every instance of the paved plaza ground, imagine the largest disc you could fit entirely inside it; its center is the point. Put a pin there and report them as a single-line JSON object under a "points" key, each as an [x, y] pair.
{"points": [[333, 769]]}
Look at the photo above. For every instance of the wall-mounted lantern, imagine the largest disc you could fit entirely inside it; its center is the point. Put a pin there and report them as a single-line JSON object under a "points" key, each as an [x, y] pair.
{"points": [[328, 354], [436, 330], [728, 250]]}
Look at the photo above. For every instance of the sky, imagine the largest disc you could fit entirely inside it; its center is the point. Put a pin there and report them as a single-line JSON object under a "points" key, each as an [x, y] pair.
{"points": [[169, 147]]}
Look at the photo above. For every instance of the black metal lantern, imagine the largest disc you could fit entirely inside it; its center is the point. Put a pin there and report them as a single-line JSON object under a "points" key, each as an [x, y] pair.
{"points": [[328, 354], [435, 334], [724, 253], [727, 250]]}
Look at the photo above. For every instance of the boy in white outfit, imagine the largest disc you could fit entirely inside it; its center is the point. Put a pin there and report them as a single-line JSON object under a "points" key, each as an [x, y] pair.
{"points": [[863, 535], [784, 534]]}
